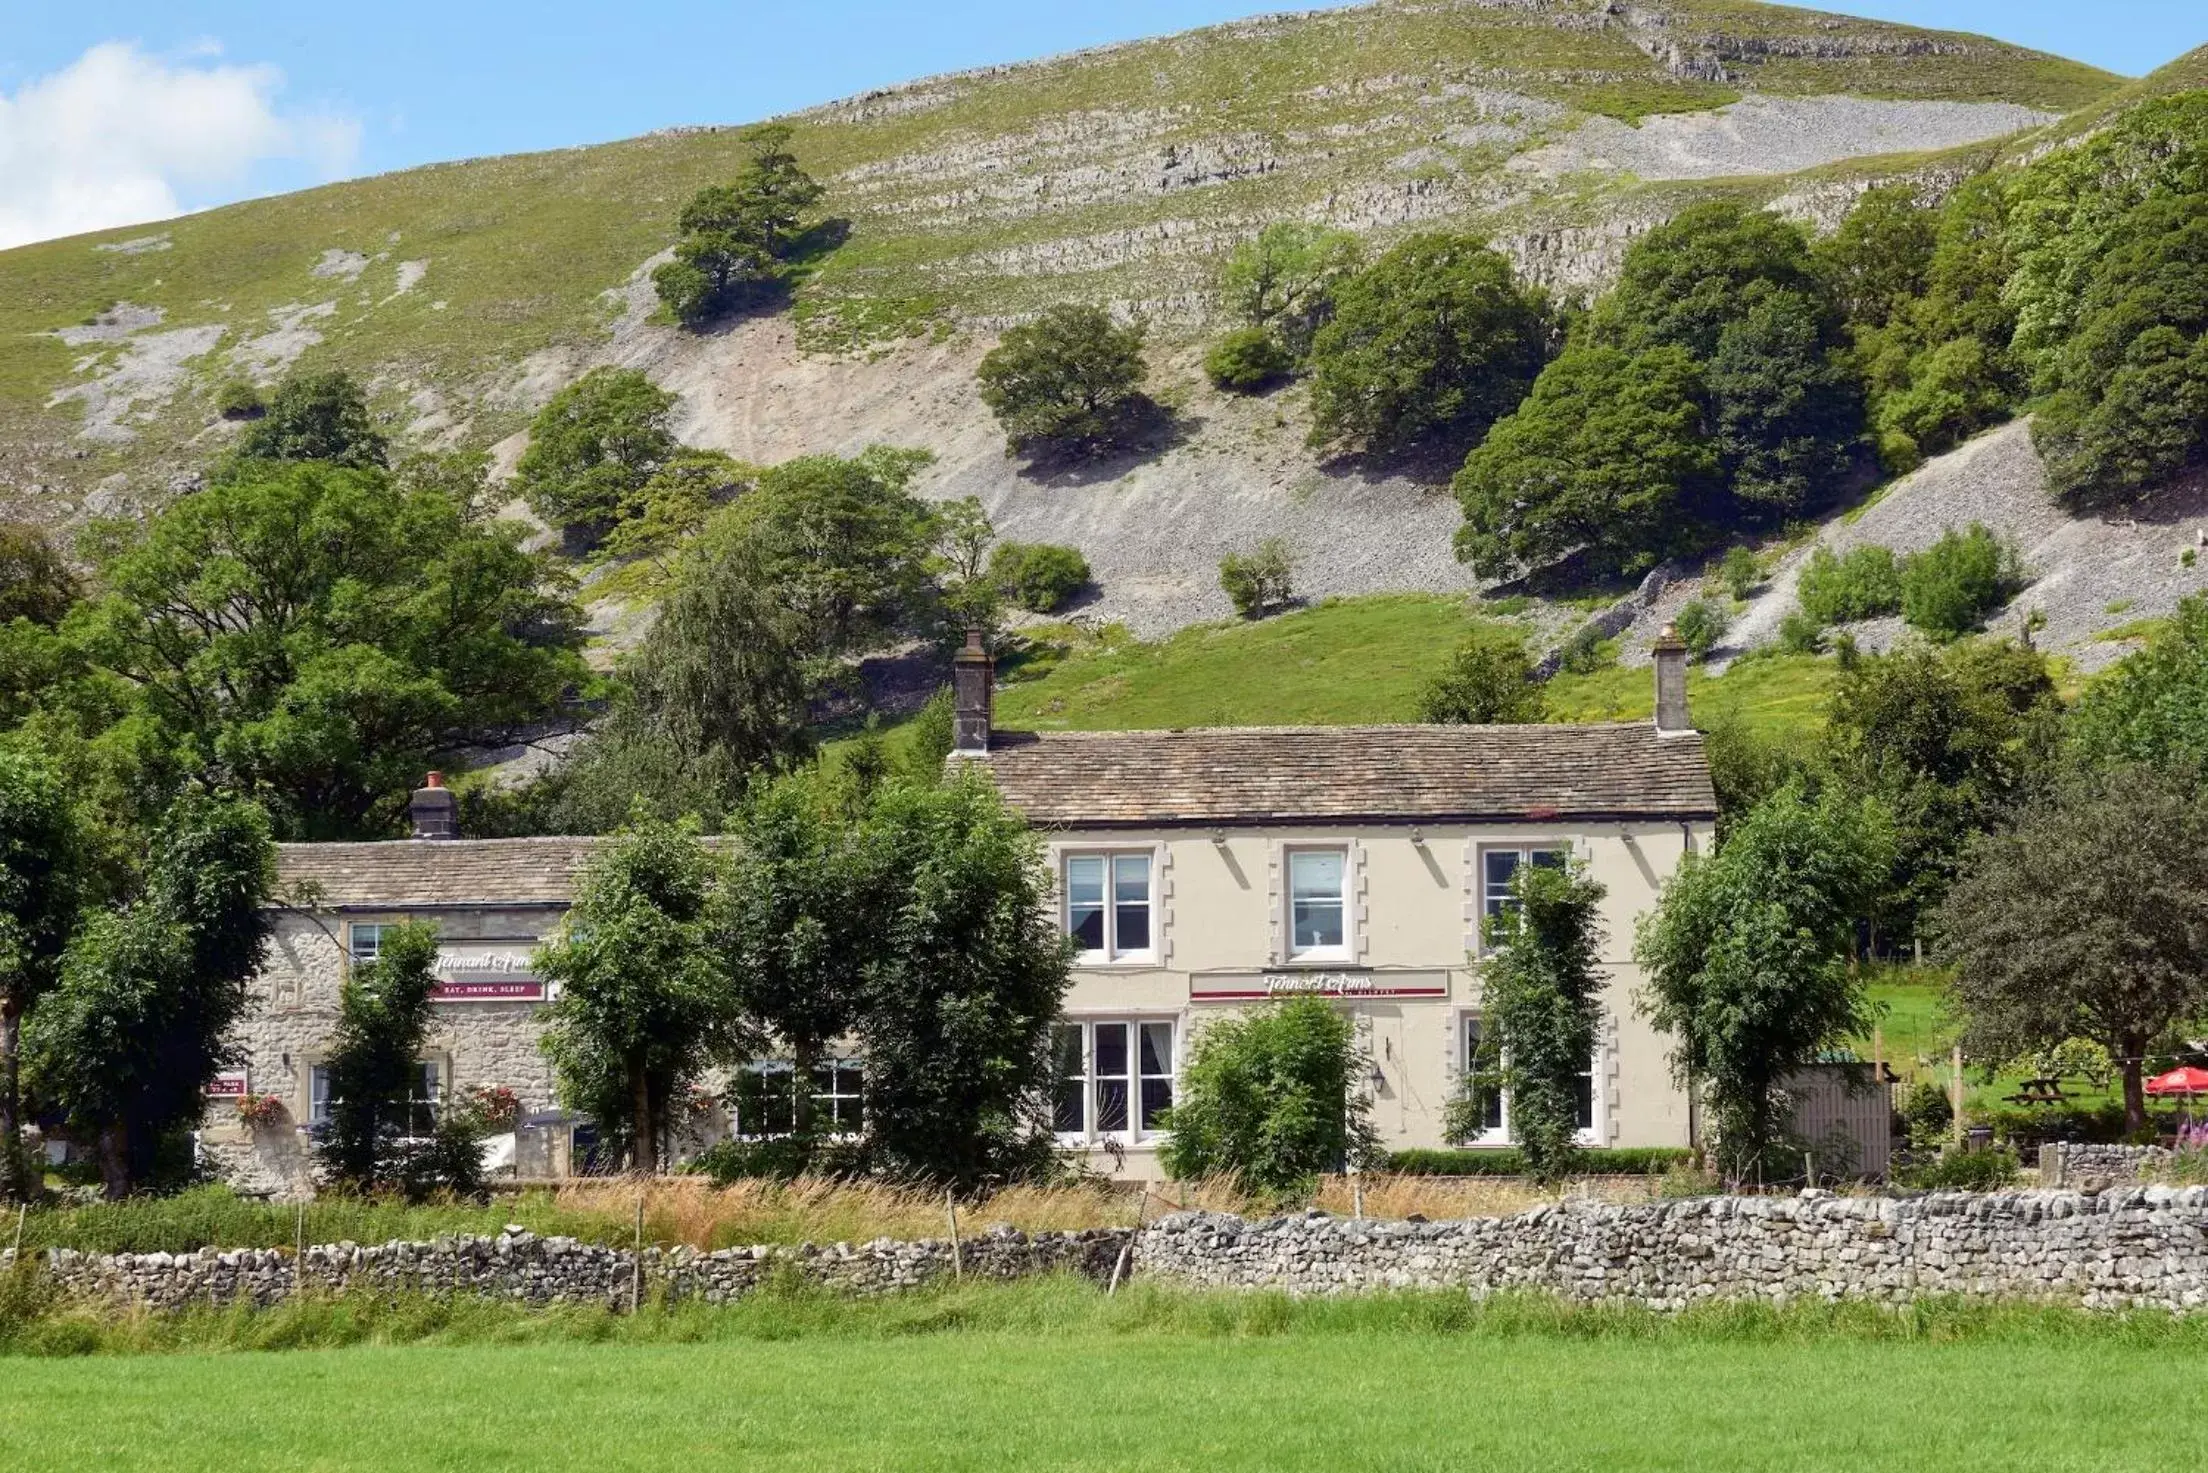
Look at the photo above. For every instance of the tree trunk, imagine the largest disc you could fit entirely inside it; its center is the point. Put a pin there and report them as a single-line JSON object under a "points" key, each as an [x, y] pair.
{"points": [[643, 1140], [804, 1054], [16, 1184], [2135, 1093], [115, 1160]]}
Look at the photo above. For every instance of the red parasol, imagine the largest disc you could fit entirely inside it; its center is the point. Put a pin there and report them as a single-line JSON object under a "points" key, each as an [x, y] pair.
{"points": [[2186, 1081]]}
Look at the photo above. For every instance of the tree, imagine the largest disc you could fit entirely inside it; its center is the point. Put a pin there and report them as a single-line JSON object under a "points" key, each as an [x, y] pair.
{"points": [[970, 972], [1487, 681], [315, 416], [1738, 291], [1283, 281], [736, 238], [309, 637], [1878, 260], [1038, 576], [1069, 382], [1864, 584], [1747, 958], [800, 922], [1540, 1006], [1949, 588], [593, 448], [964, 536], [35, 584], [677, 500], [1271, 1098], [1433, 342], [41, 880], [142, 1020], [1946, 742], [2088, 918], [1609, 458], [1701, 624], [1258, 581], [375, 1075], [2152, 708], [644, 1002]]}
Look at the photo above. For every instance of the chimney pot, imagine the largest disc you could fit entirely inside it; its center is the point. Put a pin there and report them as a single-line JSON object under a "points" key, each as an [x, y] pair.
{"points": [[1670, 658], [434, 809], [973, 683]]}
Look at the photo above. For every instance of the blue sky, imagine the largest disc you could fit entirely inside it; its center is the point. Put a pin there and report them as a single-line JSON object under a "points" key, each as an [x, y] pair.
{"points": [[304, 91]]}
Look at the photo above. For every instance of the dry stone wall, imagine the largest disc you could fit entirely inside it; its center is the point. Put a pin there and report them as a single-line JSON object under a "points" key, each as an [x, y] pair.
{"points": [[2134, 1247]]}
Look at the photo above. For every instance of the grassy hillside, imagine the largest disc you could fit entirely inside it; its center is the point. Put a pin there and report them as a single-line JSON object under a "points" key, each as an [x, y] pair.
{"points": [[1117, 173]]}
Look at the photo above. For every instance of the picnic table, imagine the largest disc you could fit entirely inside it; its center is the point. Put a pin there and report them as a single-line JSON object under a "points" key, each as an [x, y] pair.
{"points": [[2038, 1092]]}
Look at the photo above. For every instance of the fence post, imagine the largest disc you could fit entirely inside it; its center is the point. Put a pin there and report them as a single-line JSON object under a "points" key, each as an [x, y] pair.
{"points": [[636, 1259], [958, 1260], [1955, 1091]]}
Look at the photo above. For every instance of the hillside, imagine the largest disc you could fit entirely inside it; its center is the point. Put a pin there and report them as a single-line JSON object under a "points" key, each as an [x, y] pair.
{"points": [[465, 292]]}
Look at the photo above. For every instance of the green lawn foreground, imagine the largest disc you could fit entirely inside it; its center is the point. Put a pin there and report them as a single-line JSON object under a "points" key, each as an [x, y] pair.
{"points": [[1149, 1401]]}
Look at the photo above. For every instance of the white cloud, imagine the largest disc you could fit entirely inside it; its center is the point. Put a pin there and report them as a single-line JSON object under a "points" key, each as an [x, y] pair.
{"points": [[118, 137]]}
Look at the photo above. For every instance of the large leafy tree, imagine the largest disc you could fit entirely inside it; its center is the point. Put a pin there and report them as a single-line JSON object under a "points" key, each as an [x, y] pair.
{"points": [[1878, 260], [1283, 280], [1947, 741], [41, 882], [969, 973], [2153, 707], [645, 1003], [594, 448], [2087, 918], [1067, 383], [801, 921], [1272, 1097], [1739, 292], [151, 992], [1540, 1007], [1431, 343], [1610, 458], [316, 416], [737, 238], [310, 637], [1747, 958]]}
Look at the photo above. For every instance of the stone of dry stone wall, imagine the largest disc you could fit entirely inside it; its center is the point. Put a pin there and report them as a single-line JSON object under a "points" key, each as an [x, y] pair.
{"points": [[2134, 1247], [519, 1265], [2078, 1165]]}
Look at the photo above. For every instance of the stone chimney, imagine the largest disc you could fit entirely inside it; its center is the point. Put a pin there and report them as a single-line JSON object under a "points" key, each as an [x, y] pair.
{"points": [[1670, 652], [435, 811], [973, 686]]}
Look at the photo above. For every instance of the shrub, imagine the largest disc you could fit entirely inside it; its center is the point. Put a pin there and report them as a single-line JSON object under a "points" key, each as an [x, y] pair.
{"points": [[1801, 634], [1988, 1170], [1927, 1116], [1507, 1161], [1948, 589], [1740, 572], [1701, 624], [1257, 581], [1247, 360], [1488, 680], [1839, 590], [1585, 652], [240, 398], [1038, 576], [1271, 1097]]}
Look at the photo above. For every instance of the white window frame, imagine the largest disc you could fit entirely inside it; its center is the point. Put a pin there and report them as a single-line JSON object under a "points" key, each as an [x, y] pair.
{"points": [[1590, 1134], [769, 1067], [1112, 952], [364, 941], [1347, 950], [1491, 905], [1134, 1131], [317, 1104]]}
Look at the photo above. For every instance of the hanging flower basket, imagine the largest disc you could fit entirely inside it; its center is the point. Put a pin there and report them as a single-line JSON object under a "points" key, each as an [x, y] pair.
{"points": [[260, 1110]]}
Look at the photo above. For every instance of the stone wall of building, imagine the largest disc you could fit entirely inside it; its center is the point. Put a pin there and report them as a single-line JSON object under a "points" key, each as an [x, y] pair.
{"points": [[2135, 1247]]}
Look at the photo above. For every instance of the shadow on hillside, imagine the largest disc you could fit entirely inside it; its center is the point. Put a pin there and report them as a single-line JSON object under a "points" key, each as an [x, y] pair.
{"points": [[1429, 466], [1148, 431]]}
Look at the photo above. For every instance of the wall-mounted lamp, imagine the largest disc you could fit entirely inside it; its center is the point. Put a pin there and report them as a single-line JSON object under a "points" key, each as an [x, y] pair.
{"points": [[1378, 1079]]}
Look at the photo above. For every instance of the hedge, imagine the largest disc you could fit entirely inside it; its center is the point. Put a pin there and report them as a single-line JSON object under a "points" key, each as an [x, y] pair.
{"points": [[1505, 1161]]}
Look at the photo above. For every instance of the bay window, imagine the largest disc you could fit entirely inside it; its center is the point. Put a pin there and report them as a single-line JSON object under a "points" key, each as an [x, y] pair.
{"points": [[1318, 904], [1111, 1078], [1108, 905]]}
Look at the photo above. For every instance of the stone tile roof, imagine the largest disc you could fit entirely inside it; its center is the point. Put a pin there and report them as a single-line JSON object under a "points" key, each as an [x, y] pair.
{"points": [[418, 872], [1338, 774]]}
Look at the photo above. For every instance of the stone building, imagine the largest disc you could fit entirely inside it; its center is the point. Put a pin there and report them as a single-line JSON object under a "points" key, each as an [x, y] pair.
{"points": [[1200, 871]]}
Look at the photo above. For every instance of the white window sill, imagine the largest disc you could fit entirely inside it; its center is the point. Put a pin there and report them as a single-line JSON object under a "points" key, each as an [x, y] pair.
{"points": [[1129, 960], [1333, 957]]}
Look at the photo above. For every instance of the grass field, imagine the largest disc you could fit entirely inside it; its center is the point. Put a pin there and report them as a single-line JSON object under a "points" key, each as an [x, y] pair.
{"points": [[1049, 1376]]}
